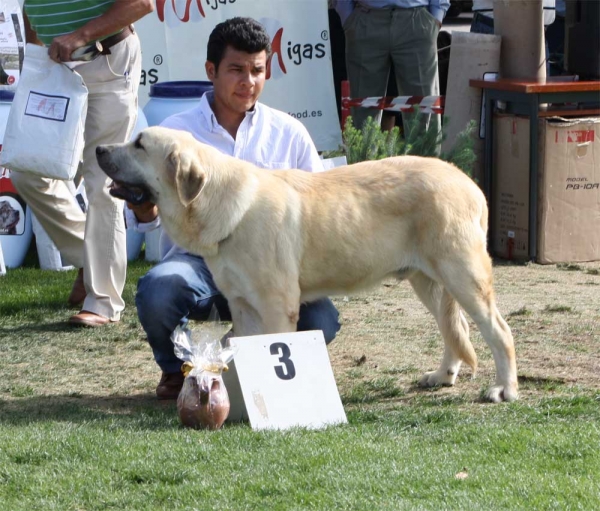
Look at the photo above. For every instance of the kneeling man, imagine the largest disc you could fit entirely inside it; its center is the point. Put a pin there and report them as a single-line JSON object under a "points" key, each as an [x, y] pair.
{"points": [[231, 119]]}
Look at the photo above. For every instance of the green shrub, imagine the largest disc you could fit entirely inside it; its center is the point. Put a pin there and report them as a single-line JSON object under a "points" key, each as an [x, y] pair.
{"points": [[372, 143]]}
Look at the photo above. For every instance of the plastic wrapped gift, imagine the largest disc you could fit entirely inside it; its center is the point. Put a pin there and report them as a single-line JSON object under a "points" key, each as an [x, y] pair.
{"points": [[203, 402]]}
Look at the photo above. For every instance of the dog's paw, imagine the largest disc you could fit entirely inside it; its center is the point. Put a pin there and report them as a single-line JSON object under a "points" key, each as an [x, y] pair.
{"points": [[499, 393], [437, 378]]}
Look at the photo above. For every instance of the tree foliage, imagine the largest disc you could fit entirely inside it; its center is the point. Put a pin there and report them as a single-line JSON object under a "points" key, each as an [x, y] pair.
{"points": [[372, 143]]}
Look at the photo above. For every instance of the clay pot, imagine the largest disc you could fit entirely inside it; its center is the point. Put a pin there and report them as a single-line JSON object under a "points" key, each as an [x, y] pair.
{"points": [[204, 404]]}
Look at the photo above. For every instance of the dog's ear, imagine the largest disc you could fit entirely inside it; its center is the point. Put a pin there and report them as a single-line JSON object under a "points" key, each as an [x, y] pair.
{"points": [[187, 176]]}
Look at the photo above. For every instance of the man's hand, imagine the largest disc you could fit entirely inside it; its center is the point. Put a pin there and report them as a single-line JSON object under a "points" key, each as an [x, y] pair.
{"points": [[63, 46], [120, 15], [145, 212]]}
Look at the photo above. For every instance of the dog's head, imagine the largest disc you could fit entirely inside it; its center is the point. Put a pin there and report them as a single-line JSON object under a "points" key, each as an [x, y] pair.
{"points": [[9, 216], [160, 165]]}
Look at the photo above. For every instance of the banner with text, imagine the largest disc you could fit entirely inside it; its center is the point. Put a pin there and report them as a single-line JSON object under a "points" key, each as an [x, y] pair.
{"points": [[300, 79]]}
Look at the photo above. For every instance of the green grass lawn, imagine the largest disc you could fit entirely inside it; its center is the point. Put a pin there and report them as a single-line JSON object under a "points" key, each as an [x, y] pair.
{"points": [[80, 428]]}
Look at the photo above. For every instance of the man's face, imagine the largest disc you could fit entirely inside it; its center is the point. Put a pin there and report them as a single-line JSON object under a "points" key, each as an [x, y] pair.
{"points": [[239, 80]]}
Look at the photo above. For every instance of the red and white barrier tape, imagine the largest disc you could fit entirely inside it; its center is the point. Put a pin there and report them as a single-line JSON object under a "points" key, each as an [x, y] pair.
{"points": [[426, 104]]}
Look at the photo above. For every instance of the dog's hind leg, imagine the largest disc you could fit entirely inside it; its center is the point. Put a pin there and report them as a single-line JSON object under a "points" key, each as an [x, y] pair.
{"points": [[469, 280], [453, 327]]}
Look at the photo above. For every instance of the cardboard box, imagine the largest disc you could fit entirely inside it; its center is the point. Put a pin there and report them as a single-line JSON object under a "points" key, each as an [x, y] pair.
{"points": [[471, 56], [568, 189]]}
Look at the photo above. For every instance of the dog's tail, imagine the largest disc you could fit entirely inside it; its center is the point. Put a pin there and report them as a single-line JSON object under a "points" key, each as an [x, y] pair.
{"points": [[455, 330]]}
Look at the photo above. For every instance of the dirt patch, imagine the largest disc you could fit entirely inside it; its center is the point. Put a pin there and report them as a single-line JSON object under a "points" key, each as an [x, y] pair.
{"points": [[387, 341], [553, 311]]}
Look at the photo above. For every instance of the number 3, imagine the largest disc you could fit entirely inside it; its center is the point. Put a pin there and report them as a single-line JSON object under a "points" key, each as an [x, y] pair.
{"points": [[279, 348]]}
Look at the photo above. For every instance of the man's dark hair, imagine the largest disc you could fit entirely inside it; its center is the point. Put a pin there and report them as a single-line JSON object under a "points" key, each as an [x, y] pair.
{"points": [[242, 34]]}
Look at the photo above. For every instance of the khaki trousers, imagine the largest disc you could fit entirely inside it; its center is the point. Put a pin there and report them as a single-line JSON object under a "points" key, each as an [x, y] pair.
{"points": [[376, 38], [96, 243]]}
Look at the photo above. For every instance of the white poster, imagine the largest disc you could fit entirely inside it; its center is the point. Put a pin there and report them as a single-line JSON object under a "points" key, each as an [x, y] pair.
{"points": [[300, 79], [11, 43]]}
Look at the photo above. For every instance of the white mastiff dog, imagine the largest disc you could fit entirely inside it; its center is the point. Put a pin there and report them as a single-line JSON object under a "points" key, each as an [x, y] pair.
{"points": [[273, 240]]}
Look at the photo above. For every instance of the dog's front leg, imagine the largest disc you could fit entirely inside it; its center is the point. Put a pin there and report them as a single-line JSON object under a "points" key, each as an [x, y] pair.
{"points": [[280, 316], [277, 313], [279, 309], [246, 320]]}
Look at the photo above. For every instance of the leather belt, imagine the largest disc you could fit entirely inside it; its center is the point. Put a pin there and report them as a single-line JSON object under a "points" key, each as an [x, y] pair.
{"points": [[110, 41]]}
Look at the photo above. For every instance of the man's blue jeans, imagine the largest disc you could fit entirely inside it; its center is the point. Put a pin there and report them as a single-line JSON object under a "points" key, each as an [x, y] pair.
{"points": [[482, 24], [181, 287]]}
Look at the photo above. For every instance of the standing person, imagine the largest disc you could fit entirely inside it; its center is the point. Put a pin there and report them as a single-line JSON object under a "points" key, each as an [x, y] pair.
{"points": [[483, 15], [483, 20], [380, 33], [231, 119], [555, 40], [95, 244]]}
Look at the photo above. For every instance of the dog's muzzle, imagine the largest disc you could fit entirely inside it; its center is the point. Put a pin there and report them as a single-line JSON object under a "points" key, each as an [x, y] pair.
{"points": [[135, 195]]}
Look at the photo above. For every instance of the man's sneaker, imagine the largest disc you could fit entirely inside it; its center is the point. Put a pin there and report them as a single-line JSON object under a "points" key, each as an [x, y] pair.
{"points": [[169, 385]]}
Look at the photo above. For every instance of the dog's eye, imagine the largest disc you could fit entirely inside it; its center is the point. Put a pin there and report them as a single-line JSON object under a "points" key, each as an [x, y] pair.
{"points": [[138, 143]]}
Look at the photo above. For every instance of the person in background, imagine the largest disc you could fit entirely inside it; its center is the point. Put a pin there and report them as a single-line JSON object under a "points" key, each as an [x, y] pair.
{"points": [[338, 52], [380, 33], [483, 20], [555, 37], [95, 242], [231, 119]]}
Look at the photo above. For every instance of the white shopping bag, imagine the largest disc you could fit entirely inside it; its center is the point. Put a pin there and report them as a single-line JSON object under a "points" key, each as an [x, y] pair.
{"points": [[44, 132]]}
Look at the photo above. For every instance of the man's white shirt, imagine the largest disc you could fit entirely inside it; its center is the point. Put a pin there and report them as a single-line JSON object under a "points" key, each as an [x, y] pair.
{"points": [[268, 138]]}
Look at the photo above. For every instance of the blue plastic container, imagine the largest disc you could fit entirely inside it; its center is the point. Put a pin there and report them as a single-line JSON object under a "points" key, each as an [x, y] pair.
{"points": [[15, 229], [168, 98]]}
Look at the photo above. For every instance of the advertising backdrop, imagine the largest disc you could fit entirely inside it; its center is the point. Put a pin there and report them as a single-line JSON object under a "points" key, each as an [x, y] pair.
{"points": [[300, 80]]}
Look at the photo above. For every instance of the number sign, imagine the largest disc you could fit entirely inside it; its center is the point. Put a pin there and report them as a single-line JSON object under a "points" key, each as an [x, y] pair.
{"points": [[281, 381]]}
